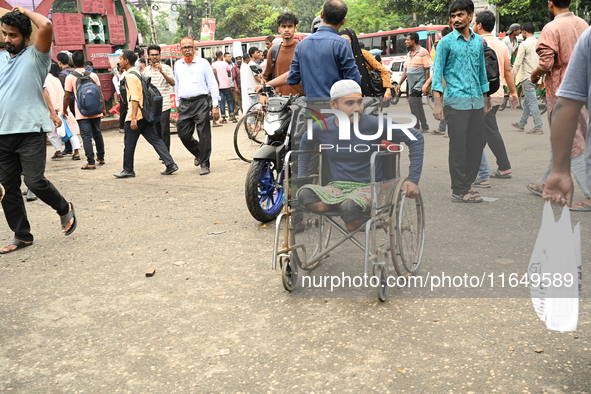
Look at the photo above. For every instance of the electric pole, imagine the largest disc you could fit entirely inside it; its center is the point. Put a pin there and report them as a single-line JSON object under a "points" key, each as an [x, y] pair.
{"points": [[153, 37]]}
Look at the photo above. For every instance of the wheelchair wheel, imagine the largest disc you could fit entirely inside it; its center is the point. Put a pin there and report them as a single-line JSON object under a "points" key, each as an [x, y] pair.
{"points": [[407, 234], [249, 135], [312, 231], [382, 273], [264, 198], [289, 274]]}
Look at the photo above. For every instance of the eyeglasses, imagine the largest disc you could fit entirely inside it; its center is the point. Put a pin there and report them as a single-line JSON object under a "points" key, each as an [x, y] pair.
{"points": [[186, 48]]}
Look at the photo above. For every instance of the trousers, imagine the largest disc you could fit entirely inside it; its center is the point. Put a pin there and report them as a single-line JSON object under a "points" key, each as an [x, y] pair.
{"points": [[195, 115]]}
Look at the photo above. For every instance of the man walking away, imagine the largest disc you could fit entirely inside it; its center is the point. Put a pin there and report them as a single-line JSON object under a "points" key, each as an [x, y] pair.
{"points": [[163, 78], [135, 124], [416, 71], [23, 69], [525, 62], [574, 92], [325, 48], [555, 47], [194, 81], [484, 24], [78, 82], [64, 61], [281, 55], [460, 61], [224, 74]]}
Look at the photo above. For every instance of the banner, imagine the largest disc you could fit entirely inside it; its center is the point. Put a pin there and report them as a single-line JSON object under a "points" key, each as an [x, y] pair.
{"points": [[207, 29]]}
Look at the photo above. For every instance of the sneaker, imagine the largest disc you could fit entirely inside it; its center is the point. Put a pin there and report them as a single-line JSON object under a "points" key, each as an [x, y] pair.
{"points": [[31, 196]]}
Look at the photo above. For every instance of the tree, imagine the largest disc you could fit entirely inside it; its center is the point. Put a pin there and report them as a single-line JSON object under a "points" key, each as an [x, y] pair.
{"points": [[162, 22], [64, 7], [306, 11], [423, 11], [369, 16], [249, 18], [143, 27]]}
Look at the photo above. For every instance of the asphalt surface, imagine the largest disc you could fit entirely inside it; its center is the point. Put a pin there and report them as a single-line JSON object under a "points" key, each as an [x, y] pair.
{"points": [[79, 315]]}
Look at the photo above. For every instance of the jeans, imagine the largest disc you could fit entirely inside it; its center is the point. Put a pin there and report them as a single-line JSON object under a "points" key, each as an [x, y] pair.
{"points": [[493, 138], [25, 153], [195, 114], [237, 97], [416, 108], [442, 125], [146, 129], [465, 129], [91, 129], [226, 95], [163, 128], [531, 105], [484, 170]]}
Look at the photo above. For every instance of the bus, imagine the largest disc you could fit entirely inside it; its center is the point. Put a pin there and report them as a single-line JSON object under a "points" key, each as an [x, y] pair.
{"points": [[392, 45], [209, 48]]}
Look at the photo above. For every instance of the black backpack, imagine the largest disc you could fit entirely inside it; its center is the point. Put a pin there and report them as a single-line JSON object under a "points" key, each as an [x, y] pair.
{"points": [[274, 53], [122, 91], [152, 109], [492, 69]]}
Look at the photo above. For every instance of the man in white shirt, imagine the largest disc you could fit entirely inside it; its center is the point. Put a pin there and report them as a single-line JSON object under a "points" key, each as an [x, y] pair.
{"points": [[224, 78], [163, 78], [194, 81], [526, 61], [511, 40], [249, 80]]}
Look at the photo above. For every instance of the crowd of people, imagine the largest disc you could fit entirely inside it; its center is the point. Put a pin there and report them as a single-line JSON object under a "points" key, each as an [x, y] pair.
{"points": [[455, 72]]}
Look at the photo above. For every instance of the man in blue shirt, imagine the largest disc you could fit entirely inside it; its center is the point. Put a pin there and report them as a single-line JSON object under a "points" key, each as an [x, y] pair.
{"points": [[460, 61], [22, 133], [323, 58]]}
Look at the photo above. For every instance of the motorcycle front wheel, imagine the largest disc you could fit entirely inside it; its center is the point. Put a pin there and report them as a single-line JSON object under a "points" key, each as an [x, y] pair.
{"points": [[264, 198]]}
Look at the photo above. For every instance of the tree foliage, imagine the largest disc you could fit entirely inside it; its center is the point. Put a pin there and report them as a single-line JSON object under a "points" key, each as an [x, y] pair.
{"points": [[162, 23], [141, 21], [369, 16], [249, 18]]}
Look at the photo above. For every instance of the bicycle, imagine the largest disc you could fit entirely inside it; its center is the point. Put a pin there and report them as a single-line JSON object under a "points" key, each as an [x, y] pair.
{"points": [[249, 133]]}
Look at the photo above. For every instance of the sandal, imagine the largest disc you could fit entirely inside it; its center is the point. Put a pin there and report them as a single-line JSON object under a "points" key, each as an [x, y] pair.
{"points": [[470, 200], [88, 167], [223, 121], [496, 174], [100, 162], [516, 125], [479, 183], [533, 131], [19, 245], [438, 132], [67, 217], [584, 207], [76, 157], [533, 187], [233, 119], [56, 156]]}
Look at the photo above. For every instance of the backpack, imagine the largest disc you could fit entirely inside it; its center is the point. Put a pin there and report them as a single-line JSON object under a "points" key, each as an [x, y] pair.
{"points": [[152, 109], [88, 94], [122, 91], [274, 53], [492, 69]]}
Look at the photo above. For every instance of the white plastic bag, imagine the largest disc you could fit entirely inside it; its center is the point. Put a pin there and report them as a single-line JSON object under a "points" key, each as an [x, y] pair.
{"points": [[554, 271]]}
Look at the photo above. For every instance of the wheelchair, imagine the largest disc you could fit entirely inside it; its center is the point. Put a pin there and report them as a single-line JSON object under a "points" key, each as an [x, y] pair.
{"points": [[392, 237]]}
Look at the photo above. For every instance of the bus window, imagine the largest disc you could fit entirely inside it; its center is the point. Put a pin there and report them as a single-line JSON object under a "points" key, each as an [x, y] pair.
{"points": [[423, 43], [400, 45], [376, 42], [366, 42]]}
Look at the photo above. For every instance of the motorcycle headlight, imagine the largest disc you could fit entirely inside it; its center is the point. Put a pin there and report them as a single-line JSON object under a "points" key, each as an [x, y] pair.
{"points": [[272, 123]]}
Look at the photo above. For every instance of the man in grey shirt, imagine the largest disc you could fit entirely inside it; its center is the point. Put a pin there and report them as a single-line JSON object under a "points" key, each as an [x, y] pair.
{"points": [[574, 92]]}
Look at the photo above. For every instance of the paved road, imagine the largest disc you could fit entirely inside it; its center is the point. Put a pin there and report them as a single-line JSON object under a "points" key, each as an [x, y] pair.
{"points": [[78, 314]]}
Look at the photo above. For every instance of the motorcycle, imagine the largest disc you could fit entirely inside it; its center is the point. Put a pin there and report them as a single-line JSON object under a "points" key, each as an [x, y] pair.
{"points": [[264, 191]]}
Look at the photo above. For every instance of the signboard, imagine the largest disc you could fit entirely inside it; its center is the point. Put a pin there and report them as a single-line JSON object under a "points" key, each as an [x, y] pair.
{"points": [[207, 29], [68, 29], [93, 6], [97, 54], [116, 30]]}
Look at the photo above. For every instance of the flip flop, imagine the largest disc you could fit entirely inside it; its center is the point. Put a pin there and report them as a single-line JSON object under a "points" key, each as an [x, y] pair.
{"points": [[481, 184], [217, 125], [64, 220], [584, 207], [532, 187], [496, 174], [471, 200], [535, 132], [438, 132], [516, 125], [19, 245]]}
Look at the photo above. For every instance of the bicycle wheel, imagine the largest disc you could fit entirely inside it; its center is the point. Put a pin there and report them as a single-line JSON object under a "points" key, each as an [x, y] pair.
{"points": [[407, 232], [249, 135]]}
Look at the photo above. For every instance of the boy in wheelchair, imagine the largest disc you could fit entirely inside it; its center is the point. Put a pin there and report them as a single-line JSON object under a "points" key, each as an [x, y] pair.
{"points": [[349, 190]]}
